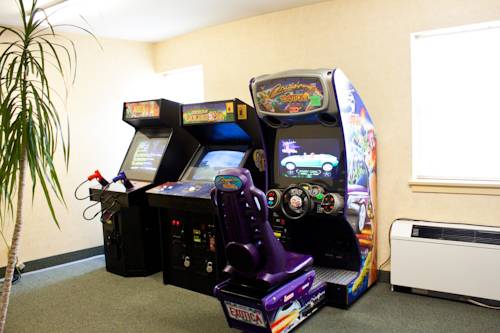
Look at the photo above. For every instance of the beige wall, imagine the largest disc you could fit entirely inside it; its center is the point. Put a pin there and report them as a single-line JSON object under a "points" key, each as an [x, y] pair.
{"points": [[99, 139], [370, 41]]}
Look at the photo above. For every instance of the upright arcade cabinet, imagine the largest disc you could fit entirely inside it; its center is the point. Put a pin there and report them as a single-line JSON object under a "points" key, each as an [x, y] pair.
{"points": [[158, 152], [320, 149], [229, 136]]}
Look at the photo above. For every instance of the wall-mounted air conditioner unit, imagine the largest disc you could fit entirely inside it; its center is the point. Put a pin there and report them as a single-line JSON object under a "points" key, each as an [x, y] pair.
{"points": [[454, 259]]}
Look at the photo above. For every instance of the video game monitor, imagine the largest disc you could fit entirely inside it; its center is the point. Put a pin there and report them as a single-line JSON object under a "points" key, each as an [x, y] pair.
{"points": [[144, 156], [211, 162], [306, 159]]}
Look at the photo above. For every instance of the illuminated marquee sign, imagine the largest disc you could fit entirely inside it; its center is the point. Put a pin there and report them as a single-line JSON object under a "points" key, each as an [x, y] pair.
{"points": [[206, 113], [138, 110], [290, 95]]}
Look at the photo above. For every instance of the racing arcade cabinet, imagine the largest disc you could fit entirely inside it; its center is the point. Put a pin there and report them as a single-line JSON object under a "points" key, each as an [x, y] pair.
{"points": [[229, 136], [320, 148], [158, 152]]}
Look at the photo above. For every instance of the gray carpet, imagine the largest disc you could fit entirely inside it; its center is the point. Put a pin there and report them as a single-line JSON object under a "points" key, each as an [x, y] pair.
{"points": [[83, 297]]}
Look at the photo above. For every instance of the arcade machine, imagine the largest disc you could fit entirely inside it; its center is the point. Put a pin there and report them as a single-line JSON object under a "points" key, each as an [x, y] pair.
{"points": [[229, 136], [158, 152], [315, 243]]}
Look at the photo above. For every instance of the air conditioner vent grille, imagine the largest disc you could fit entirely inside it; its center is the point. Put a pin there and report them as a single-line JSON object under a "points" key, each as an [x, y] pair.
{"points": [[457, 235]]}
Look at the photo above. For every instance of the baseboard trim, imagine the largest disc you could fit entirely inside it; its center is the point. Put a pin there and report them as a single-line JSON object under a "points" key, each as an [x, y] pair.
{"points": [[384, 276], [59, 259]]}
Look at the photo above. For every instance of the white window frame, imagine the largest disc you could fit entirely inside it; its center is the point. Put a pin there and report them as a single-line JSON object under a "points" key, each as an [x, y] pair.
{"points": [[431, 184]]}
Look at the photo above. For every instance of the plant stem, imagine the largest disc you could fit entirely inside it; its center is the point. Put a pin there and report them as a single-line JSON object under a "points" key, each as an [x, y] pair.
{"points": [[11, 265]]}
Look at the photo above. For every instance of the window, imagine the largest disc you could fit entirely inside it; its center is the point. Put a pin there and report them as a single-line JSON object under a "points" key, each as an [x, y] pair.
{"points": [[184, 85], [456, 105]]}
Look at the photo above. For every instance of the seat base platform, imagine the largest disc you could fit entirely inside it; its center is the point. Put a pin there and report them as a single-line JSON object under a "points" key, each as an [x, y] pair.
{"points": [[280, 310]]}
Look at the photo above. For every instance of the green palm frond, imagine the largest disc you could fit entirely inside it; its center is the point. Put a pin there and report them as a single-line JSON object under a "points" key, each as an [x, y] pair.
{"points": [[30, 125]]}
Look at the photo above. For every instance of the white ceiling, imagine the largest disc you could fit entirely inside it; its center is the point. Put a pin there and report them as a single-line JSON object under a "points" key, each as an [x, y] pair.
{"points": [[150, 20]]}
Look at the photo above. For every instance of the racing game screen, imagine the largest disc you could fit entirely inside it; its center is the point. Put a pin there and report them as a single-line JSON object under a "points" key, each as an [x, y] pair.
{"points": [[305, 158], [144, 156], [212, 162]]}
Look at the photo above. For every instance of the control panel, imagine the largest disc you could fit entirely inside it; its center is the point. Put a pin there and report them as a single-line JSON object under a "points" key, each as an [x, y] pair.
{"points": [[296, 201], [185, 189]]}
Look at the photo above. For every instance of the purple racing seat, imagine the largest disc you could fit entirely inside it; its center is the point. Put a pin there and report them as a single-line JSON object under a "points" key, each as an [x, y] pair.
{"points": [[253, 253]]}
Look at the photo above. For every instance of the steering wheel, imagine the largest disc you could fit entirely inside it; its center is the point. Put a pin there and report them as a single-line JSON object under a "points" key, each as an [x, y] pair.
{"points": [[296, 202]]}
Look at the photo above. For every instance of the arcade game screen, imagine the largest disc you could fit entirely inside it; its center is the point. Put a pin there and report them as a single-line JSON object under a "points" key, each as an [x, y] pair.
{"points": [[144, 156], [212, 162], [306, 158]]}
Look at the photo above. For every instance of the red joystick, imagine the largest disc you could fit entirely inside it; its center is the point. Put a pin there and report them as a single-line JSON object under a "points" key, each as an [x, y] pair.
{"points": [[97, 175]]}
